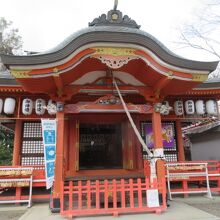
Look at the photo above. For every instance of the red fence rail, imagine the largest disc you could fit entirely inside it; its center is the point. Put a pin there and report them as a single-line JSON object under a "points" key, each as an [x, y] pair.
{"points": [[110, 197]]}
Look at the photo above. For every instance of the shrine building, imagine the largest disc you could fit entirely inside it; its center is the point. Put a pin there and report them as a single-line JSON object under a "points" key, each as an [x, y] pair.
{"points": [[106, 85]]}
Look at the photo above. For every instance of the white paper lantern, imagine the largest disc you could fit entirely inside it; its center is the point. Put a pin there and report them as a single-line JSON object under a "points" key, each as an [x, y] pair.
{"points": [[40, 105], [27, 106], [9, 106], [178, 107], [200, 107], [167, 110], [1, 105], [51, 107], [211, 107], [190, 107]]}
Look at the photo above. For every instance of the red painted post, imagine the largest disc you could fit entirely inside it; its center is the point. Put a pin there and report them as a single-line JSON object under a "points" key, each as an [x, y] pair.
{"points": [[131, 193], [122, 193], [140, 204], [18, 193], [62, 197], [17, 143], [181, 154], [185, 187], [114, 194], [158, 142], [164, 193], [106, 194], [17, 151], [59, 156], [79, 194], [88, 187], [146, 168], [71, 195], [97, 194]]}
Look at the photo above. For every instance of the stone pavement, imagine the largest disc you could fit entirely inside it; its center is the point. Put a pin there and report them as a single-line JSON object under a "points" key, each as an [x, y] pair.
{"points": [[178, 210], [11, 212]]}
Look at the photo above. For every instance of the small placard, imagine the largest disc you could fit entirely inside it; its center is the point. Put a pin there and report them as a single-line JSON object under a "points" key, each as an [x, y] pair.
{"points": [[152, 198]]}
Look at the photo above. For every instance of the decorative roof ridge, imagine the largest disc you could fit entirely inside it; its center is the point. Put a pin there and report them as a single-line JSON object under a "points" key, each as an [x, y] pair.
{"points": [[114, 17]]}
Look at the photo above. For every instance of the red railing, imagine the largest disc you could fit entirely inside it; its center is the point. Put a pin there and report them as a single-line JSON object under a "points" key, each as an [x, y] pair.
{"points": [[110, 197]]}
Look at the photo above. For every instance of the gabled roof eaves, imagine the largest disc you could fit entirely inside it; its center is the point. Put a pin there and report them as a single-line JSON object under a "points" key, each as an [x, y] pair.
{"points": [[108, 34]]}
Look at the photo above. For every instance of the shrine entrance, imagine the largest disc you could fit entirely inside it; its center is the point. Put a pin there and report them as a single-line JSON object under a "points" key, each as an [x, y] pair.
{"points": [[100, 146]]}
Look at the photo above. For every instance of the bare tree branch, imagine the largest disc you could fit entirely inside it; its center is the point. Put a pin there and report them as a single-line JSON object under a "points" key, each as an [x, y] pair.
{"points": [[203, 33]]}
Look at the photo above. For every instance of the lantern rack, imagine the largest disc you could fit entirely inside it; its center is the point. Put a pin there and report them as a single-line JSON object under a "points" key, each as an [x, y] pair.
{"points": [[13, 177], [188, 172]]}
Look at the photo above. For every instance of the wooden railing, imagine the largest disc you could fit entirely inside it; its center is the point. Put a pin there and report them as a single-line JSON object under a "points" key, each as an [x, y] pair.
{"points": [[194, 183], [111, 197], [38, 180], [14, 177]]}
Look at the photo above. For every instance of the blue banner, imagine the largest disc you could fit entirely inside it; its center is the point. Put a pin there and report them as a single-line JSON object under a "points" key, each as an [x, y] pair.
{"points": [[49, 142]]}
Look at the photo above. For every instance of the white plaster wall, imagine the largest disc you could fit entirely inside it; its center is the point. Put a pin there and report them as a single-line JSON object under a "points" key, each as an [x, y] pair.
{"points": [[206, 146]]}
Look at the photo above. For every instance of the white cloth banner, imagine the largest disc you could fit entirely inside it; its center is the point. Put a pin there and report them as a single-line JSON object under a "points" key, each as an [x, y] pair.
{"points": [[49, 128]]}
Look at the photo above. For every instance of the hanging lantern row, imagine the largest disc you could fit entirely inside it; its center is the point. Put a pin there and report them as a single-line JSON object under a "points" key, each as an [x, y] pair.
{"points": [[198, 107], [190, 107], [28, 105], [40, 106]]}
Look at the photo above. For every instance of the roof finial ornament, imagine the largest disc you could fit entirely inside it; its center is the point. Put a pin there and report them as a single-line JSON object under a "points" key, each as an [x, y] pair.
{"points": [[114, 17], [115, 5]]}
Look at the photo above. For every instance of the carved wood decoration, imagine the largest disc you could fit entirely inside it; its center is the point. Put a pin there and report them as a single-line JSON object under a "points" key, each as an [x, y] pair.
{"points": [[106, 104], [114, 57]]}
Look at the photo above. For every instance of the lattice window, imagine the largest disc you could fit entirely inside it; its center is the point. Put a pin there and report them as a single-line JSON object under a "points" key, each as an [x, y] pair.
{"points": [[32, 161], [32, 147], [171, 157], [32, 151], [32, 129]]}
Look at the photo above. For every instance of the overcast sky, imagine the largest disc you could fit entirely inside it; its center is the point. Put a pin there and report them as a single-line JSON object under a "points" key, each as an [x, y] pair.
{"points": [[45, 23]]}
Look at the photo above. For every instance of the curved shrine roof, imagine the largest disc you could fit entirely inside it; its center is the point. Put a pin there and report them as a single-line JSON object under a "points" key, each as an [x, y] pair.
{"points": [[105, 29], [59, 69]]}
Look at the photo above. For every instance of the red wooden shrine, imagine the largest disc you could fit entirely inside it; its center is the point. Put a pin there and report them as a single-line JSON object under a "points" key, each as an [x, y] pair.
{"points": [[98, 155]]}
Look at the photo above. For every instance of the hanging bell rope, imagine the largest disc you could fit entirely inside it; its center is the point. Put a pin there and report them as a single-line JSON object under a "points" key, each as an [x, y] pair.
{"points": [[132, 122]]}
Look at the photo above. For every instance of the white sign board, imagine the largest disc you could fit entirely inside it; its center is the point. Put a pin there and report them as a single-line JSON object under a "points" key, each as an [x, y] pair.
{"points": [[152, 198], [49, 128]]}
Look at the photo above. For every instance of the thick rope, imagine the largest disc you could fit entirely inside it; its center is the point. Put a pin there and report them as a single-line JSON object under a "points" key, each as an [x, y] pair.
{"points": [[131, 121]]}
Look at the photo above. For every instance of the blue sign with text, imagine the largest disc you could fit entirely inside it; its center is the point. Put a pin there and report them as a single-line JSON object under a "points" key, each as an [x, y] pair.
{"points": [[49, 142], [50, 169], [50, 152], [49, 137]]}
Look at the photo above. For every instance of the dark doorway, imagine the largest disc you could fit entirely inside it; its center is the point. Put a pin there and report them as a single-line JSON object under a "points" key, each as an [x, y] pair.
{"points": [[100, 146]]}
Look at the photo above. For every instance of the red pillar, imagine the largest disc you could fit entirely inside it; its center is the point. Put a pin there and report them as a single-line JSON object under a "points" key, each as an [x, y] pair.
{"points": [[59, 161], [17, 152], [158, 142], [181, 154], [17, 143]]}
